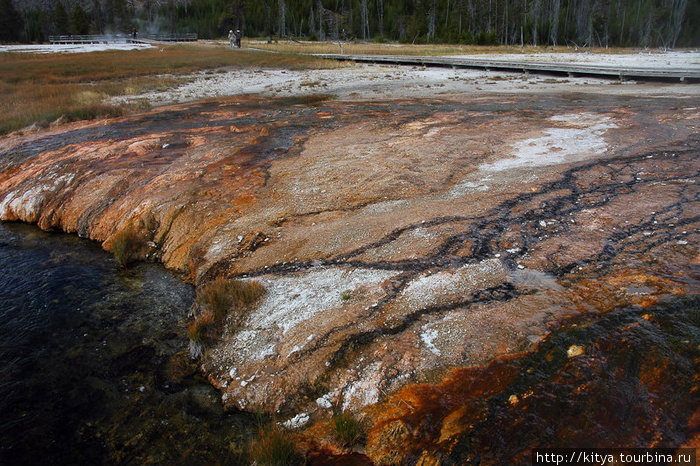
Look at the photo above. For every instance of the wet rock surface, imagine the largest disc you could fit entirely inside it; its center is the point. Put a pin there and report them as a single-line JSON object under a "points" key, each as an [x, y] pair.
{"points": [[94, 364], [613, 396], [396, 239]]}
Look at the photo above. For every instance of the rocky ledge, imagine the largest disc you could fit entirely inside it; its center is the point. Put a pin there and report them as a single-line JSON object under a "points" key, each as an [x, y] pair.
{"points": [[395, 239]]}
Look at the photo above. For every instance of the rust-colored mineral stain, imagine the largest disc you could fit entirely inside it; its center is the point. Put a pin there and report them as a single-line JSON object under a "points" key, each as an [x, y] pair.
{"points": [[327, 458], [426, 410], [468, 231], [191, 161], [616, 396]]}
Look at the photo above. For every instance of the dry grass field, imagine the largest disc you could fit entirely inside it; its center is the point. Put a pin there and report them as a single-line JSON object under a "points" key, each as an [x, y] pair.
{"points": [[375, 48], [39, 89]]}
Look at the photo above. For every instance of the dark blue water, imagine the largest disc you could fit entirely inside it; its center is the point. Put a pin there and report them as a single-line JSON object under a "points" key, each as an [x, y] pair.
{"points": [[94, 366]]}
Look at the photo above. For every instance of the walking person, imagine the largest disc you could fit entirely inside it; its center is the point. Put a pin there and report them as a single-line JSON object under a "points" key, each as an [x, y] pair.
{"points": [[231, 37], [239, 34]]}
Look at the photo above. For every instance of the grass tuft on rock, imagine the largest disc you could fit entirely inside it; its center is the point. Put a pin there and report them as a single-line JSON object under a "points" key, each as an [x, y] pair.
{"points": [[347, 430], [223, 296], [274, 446], [127, 246], [203, 329], [220, 301]]}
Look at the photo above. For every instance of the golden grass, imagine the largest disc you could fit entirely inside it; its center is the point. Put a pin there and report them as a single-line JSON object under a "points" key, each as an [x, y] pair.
{"points": [[43, 87], [79, 67], [372, 48], [127, 246], [274, 446], [222, 299], [204, 328], [222, 295]]}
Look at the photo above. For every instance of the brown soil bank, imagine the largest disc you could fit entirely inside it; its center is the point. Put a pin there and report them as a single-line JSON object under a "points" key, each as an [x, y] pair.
{"points": [[395, 239]]}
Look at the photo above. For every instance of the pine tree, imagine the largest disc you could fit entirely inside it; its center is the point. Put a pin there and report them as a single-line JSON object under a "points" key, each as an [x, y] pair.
{"points": [[98, 17], [10, 22], [80, 21], [61, 22]]}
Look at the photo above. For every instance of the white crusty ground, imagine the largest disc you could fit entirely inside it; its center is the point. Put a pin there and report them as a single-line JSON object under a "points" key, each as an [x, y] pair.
{"points": [[72, 48], [573, 137], [290, 301], [448, 287], [366, 82], [686, 59], [559, 145], [26, 204], [376, 82]]}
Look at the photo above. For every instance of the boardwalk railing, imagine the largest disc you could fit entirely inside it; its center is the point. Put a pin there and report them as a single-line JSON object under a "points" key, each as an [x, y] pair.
{"points": [[122, 38], [182, 37], [83, 39], [690, 74]]}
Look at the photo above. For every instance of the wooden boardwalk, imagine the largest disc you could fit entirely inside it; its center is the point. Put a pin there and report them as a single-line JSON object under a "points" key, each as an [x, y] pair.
{"points": [[122, 38], [623, 73]]}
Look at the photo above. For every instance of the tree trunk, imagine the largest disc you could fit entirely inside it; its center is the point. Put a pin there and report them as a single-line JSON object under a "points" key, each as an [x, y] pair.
{"points": [[319, 10], [431, 21], [646, 37], [459, 25], [677, 16], [312, 21], [506, 26], [554, 21], [281, 20], [536, 20], [447, 15], [364, 14]]}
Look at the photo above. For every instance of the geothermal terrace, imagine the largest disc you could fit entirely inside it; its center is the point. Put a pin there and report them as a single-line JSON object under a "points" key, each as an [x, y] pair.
{"points": [[404, 221]]}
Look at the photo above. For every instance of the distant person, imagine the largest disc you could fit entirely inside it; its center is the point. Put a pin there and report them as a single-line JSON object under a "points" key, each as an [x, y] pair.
{"points": [[239, 34], [231, 37], [134, 33]]}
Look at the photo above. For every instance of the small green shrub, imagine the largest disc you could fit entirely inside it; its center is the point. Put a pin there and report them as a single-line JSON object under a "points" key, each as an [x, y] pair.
{"points": [[127, 246], [348, 431], [274, 446], [345, 295]]}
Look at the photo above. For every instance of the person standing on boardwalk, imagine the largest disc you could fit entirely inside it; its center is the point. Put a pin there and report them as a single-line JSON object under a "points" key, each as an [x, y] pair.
{"points": [[231, 37], [239, 34]]}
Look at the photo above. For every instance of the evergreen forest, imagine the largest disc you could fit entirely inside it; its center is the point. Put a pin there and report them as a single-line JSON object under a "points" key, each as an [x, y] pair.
{"points": [[662, 24]]}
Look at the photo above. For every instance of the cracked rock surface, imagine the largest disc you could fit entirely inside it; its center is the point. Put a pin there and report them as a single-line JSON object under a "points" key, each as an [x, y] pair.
{"points": [[395, 238]]}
